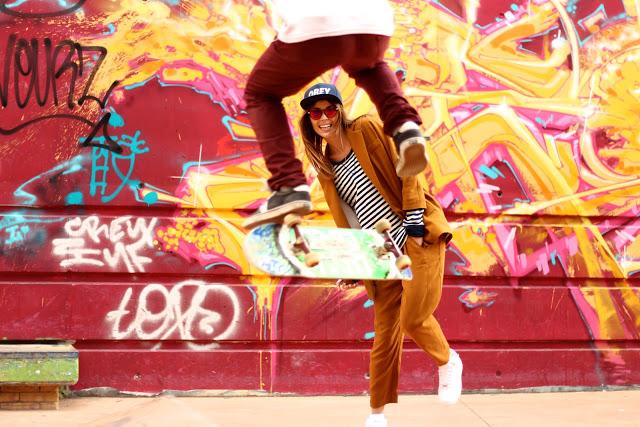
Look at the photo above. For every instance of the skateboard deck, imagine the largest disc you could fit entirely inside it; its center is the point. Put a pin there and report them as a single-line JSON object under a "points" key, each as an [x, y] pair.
{"points": [[341, 253]]}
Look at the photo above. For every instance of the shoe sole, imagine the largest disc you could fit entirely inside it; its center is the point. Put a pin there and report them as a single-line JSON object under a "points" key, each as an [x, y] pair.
{"points": [[413, 159], [277, 215]]}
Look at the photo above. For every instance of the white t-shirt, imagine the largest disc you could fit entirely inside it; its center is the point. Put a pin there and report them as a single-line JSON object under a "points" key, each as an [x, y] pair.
{"points": [[309, 19]]}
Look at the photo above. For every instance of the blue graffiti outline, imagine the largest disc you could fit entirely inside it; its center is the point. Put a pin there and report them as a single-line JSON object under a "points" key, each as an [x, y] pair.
{"points": [[134, 184], [227, 121], [513, 173], [17, 3], [17, 219], [74, 164], [491, 172], [370, 334], [479, 292], [464, 262], [17, 234], [135, 146]]}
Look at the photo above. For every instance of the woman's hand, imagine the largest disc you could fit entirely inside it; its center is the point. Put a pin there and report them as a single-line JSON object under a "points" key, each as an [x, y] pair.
{"points": [[346, 284]]}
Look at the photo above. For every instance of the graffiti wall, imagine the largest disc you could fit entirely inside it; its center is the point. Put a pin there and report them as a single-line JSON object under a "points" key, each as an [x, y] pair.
{"points": [[127, 164]]}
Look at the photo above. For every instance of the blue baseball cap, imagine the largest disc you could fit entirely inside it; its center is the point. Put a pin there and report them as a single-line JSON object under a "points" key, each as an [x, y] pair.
{"points": [[320, 91]]}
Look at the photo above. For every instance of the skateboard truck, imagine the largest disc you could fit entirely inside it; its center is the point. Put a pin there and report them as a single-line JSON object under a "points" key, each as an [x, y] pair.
{"points": [[293, 221], [402, 261]]}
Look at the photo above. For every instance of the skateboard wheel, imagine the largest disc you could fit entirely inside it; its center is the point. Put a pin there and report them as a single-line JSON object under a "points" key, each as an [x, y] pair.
{"points": [[403, 262], [383, 225], [292, 219], [311, 259]]}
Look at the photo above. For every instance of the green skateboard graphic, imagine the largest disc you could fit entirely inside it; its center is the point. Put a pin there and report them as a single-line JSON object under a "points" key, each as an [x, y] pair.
{"points": [[294, 250]]}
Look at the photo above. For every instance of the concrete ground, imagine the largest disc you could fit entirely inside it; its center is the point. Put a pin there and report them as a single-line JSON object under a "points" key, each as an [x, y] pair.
{"points": [[567, 409]]}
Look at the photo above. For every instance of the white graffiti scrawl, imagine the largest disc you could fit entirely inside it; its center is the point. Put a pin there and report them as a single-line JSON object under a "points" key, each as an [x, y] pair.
{"points": [[161, 313], [117, 243]]}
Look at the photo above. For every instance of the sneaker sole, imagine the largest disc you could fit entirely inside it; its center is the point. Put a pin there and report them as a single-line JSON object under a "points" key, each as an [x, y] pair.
{"points": [[277, 215], [413, 159]]}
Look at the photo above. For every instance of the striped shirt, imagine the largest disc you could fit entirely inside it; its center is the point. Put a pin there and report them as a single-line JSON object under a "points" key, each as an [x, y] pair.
{"points": [[357, 190]]}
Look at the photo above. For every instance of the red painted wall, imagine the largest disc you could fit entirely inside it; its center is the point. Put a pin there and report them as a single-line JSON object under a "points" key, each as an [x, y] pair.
{"points": [[127, 165]]}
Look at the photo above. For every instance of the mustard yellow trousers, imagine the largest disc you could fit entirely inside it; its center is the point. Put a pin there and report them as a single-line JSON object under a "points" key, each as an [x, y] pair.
{"points": [[406, 307]]}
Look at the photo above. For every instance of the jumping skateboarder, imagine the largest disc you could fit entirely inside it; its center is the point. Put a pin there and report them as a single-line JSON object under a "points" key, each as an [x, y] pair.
{"points": [[314, 37]]}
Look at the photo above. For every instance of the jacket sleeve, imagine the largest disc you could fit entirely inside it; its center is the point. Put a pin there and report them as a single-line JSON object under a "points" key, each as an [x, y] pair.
{"points": [[412, 189], [412, 194]]}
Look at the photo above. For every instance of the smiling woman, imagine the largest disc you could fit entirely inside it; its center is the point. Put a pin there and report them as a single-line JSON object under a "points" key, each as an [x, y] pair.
{"points": [[324, 119], [355, 161]]}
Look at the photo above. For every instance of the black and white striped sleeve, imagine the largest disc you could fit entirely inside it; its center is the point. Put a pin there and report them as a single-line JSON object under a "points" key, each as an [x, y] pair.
{"points": [[414, 222]]}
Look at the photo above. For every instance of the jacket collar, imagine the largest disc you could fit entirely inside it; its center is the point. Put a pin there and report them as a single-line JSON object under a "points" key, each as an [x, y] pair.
{"points": [[359, 148], [362, 154]]}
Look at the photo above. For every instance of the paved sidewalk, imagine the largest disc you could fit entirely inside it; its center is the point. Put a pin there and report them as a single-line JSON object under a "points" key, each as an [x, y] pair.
{"points": [[567, 409]]}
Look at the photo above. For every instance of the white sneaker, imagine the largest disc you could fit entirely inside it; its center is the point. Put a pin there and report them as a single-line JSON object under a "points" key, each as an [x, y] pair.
{"points": [[376, 420], [450, 379]]}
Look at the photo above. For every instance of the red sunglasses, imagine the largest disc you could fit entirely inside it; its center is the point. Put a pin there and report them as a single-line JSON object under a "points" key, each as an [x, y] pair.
{"points": [[330, 112]]}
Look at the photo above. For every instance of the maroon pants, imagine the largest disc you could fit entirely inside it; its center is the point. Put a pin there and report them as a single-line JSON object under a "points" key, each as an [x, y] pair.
{"points": [[286, 68]]}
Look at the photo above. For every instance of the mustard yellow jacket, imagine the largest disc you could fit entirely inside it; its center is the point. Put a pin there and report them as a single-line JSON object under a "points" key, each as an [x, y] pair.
{"points": [[376, 154]]}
